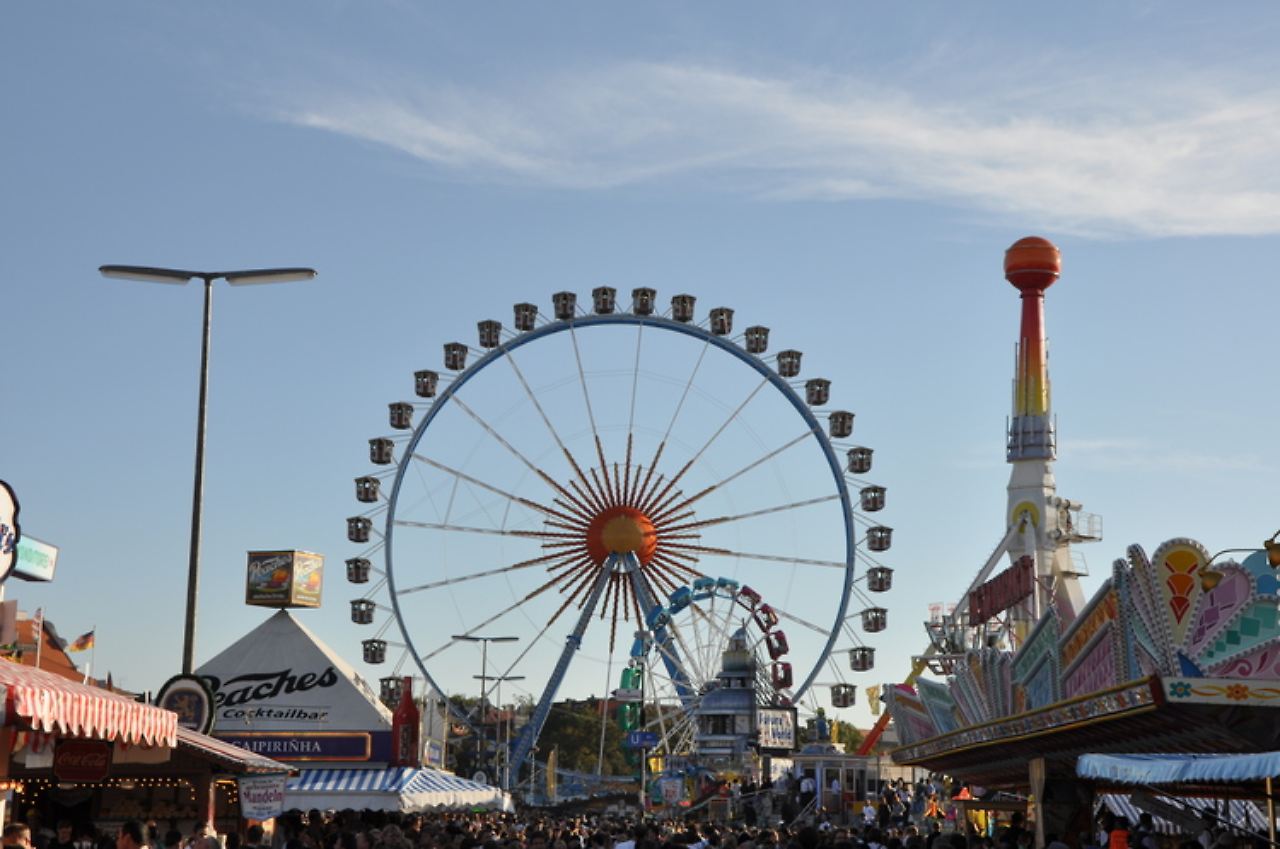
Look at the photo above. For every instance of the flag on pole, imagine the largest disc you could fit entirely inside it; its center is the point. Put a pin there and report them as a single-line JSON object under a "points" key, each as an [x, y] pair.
{"points": [[84, 642], [37, 625]]}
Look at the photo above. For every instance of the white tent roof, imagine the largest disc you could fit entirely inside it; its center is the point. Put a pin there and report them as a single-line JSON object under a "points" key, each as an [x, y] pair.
{"points": [[404, 789], [281, 677]]}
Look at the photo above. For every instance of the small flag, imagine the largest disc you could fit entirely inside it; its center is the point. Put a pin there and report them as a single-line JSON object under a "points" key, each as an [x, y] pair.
{"points": [[83, 642]]}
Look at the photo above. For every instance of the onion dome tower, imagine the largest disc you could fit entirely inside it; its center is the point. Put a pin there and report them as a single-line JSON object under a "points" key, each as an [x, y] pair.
{"points": [[1041, 524]]}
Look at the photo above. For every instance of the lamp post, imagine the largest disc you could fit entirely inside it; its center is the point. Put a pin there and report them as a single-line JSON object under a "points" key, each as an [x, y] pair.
{"points": [[484, 669], [497, 733], [179, 276]]}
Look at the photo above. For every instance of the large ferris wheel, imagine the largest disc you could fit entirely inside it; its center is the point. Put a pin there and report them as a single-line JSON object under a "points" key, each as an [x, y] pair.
{"points": [[620, 490]]}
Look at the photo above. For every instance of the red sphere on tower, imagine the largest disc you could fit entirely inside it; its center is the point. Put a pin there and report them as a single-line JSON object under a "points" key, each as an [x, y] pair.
{"points": [[1032, 264]]}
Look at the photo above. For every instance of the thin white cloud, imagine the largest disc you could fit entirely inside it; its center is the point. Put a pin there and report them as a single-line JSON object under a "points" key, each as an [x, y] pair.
{"points": [[1148, 158], [1142, 455]]}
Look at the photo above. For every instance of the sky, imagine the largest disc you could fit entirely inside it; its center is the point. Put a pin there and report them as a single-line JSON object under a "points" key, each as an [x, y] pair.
{"points": [[847, 174]]}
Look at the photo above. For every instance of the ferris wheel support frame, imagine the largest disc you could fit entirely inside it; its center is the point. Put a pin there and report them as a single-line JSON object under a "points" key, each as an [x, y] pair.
{"points": [[623, 319]]}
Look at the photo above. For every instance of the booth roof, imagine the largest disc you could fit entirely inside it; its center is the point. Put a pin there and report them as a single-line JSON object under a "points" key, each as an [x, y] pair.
{"points": [[232, 758], [405, 789], [54, 704], [1179, 769]]}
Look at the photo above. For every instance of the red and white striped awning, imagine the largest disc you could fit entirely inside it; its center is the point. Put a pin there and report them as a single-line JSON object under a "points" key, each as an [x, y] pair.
{"points": [[57, 705]]}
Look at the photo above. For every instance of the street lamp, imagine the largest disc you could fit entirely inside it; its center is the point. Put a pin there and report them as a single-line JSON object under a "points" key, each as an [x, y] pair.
{"points": [[484, 669], [179, 276], [1210, 578], [497, 734]]}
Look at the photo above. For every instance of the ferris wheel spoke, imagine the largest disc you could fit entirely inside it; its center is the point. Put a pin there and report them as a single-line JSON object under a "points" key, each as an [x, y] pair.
{"points": [[720, 520], [591, 417], [494, 618], [573, 462], [583, 510], [617, 485], [656, 505], [783, 614], [471, 529], [688, 571], [753, 464], [662, 443], [635, 382], [626, 474], [488, 573], [515, 499], [590, 497], [747, 555]]}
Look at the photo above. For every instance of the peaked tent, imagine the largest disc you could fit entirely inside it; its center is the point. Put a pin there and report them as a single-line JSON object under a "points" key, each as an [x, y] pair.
{"points": [[281, 692], [404, 789]]}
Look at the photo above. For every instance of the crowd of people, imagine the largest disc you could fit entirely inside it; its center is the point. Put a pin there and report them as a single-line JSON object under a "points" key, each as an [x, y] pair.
{"points": [[907, 826]]}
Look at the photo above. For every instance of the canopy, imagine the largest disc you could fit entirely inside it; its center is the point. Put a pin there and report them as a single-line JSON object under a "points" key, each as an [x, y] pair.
{"points": [[57, 705], [231, 758], [1178, 769], [404, 789], [1241, 813]]}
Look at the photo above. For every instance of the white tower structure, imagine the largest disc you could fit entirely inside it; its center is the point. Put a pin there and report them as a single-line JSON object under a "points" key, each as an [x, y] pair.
{"points": [[1041, 524]]}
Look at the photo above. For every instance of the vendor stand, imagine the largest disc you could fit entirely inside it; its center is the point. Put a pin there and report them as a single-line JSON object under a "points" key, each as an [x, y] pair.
{"points": [[85, 753], [1140, 669]]}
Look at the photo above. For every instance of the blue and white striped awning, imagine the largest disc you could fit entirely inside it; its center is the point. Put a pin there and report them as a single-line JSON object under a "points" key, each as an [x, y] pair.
{"points": [[405, 789]]}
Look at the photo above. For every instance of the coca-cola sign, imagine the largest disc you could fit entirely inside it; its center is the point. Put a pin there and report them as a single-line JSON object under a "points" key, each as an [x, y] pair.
{"points": [[81, 760]]}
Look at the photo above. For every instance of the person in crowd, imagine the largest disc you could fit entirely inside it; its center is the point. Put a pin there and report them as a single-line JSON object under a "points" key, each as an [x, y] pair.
{"points": [[130, 836], [64, 837], [1119, 836], [17, 836]]}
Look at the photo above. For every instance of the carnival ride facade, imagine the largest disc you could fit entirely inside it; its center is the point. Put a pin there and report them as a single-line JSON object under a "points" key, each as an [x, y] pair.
{"points": [[1176, 652], [601, 478]]}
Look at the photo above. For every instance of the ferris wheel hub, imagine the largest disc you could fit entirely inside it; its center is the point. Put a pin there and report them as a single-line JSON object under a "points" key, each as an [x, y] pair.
{"points": [[621, 530]]}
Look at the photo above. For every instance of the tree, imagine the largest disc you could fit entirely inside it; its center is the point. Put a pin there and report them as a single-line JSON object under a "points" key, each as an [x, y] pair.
{"points": [[573, 727]]}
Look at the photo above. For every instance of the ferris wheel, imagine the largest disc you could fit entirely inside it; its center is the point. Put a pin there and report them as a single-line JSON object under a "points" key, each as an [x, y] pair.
{"points": [[618, 489]]}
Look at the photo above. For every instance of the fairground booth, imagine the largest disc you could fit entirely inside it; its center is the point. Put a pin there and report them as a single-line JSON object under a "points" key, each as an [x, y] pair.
{"points": [[281, 692], [86, 754], [72, 750], [1176, 655]]}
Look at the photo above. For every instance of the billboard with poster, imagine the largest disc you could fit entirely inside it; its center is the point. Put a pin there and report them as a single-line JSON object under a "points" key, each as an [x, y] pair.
{"points": [[284, 579], [777, 730]]}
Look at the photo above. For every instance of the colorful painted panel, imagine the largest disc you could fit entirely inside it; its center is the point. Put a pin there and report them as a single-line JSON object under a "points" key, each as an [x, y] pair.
{"points": [[1207, 634], [1254, 627], [1221, 691], [937, 700], [910, 718], [1101, 610], [1178, 564], [1218, 608], [1095, 668]]}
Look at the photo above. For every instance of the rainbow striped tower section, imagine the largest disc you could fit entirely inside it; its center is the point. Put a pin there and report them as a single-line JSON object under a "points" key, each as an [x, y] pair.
{"points": [[1041, 524]]}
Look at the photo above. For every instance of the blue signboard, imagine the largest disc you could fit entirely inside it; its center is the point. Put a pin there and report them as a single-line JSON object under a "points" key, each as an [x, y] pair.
{"points": [[315, 746], [641, 739]]}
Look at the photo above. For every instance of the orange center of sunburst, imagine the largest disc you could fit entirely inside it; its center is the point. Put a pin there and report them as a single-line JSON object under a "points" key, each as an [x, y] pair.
{"points": [[621, 530]]}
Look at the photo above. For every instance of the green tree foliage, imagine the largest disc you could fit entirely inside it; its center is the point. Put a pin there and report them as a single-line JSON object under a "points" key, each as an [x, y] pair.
{"points": [[573, 727]]}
